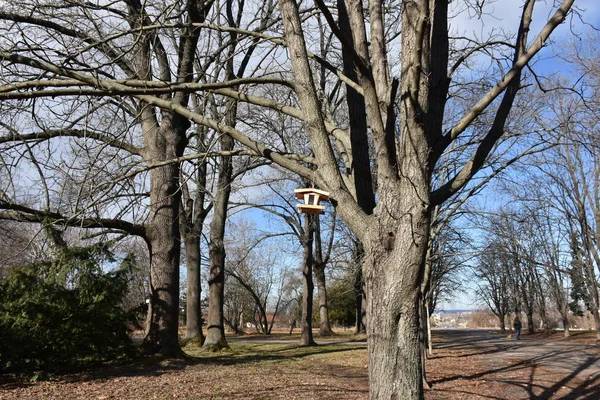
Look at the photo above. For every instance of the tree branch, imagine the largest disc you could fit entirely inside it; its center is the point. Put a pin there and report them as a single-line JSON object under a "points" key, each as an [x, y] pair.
{"points": [[83, 134], [519, 63], [26, 214], [510, 82]]}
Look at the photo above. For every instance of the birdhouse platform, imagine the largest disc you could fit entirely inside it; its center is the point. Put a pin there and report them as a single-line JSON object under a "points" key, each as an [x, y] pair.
{"points": [[311, 198]]}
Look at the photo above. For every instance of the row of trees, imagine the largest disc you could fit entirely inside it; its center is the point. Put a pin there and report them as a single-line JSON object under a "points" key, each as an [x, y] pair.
{"points": [[139, 119], [541, 252]]}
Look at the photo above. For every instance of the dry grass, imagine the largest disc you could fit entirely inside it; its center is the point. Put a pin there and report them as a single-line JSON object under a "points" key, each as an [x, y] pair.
{"points": [[458, 369]]}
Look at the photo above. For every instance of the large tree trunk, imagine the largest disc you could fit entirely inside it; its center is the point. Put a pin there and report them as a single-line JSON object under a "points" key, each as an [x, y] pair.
{"points": [[193, 326], [501, 318], [359, 292], [396, 244], [306, 337], [164, 291], [215, 332], [596, 316], [164, 244], [394, 260], [395, 370], [324, 326], [565, 322]]}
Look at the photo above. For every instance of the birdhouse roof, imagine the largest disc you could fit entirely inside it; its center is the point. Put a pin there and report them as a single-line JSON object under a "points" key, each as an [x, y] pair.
{"points": [[323, 195]]}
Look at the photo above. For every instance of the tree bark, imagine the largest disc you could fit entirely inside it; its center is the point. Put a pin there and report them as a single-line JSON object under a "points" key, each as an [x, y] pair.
{"points": [[394, 263], [193, 326], [192, 220], [164, 277], [324, 325], [502, 318], [395, 370], [215, 332], [306, 337], [164, 244], [359, 292], [565, 322]]}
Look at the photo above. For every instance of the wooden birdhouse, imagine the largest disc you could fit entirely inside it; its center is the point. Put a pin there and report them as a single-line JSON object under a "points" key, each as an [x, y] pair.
{"points": [[311, 198]]}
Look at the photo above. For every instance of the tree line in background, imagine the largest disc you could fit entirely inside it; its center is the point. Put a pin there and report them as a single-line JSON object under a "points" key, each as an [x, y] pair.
{"points": [[541, 251], [148, 127]]}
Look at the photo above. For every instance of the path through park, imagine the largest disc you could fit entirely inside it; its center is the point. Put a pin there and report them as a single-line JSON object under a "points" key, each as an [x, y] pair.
{"points": [[474, 364]]}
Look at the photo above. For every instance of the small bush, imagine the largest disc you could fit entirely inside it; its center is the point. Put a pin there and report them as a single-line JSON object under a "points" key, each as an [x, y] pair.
{"points": [[66, 312]]}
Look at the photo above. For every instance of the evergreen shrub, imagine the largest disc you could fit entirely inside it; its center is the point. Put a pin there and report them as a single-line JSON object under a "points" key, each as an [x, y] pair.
{"points": [[63, 313]]}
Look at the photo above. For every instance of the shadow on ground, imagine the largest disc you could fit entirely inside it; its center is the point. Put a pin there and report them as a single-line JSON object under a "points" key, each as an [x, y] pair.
{"points": [[466, 364], [497, 368]]}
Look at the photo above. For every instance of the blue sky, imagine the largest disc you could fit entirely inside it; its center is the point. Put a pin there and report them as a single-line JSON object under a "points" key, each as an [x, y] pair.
{"points": [[497, 16], [503, 15]]}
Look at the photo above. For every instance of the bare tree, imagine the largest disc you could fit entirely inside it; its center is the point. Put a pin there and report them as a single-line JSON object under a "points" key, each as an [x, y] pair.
{"points": [[566, 182], [395, 235], [18, 246], [237, 305], [395, 248], [195, 210], [493, 271], [322, 258], [316, 253], [255, 269], [143, 57]]}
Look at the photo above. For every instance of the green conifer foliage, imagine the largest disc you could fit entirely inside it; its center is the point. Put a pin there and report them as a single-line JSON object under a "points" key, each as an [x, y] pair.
{"points": [[64, 312]]}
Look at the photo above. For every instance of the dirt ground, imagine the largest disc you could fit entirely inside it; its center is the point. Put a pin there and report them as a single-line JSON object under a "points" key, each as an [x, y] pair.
{"points": [[466, 364]]}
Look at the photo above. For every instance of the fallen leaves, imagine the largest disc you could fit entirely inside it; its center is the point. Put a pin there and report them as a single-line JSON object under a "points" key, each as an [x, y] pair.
{"points": [[459, 369]]}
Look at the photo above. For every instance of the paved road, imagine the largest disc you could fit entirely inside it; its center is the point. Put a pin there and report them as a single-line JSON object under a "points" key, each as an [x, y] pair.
{"points": [[576, 358]]}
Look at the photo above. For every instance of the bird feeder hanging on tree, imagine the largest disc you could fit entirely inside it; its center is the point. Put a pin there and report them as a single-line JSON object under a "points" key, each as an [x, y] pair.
{"points": [[311, 198]]}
